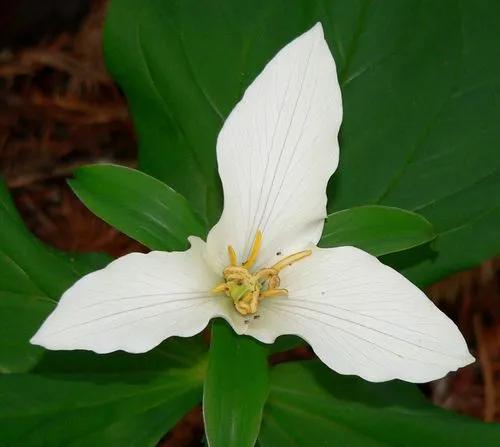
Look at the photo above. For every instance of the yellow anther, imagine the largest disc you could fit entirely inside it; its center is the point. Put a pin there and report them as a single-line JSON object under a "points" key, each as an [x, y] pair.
{"points": [[248, 304], [242, 308], [233, 260], [222, 287], [273, 282], [265, 274], [234, 277], [292, 259], [254, 252], [254, 302], [273, 292], [235, 270]]}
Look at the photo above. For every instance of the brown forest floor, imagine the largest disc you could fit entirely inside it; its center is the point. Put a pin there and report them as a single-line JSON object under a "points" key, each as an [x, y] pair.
{"points": [[59, 109]]}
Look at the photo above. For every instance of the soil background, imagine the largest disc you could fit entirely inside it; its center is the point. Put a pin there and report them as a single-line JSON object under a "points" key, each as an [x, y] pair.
{"points": [[60, 109]]}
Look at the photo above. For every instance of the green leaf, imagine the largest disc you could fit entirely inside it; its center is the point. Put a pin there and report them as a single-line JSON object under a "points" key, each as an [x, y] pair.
{"points": [[286, 343], [424, 138], [176, 143], [80, 399], [235, 389], [310, 405], [138, 205], [420, 95], [32, 278], [376, 229]]}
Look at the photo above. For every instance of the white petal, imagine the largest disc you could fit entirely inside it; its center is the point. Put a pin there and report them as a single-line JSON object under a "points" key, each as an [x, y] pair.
{"points": [[276, 152], [136, 302], [362, 317]]}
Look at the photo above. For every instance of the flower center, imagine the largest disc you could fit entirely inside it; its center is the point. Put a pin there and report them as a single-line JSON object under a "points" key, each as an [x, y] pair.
{"points": [[247, 288]]}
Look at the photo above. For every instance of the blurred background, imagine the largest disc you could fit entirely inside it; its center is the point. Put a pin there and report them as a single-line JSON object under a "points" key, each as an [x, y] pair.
{"points": [[59, 109]]}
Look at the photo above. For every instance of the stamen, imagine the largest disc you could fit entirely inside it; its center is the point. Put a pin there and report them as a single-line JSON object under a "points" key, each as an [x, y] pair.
{"points": [[273, 282], [242, 308], [222, 287], [254, 252], [235, 277], [246, 304], [265, 274], [233, 259], [254, 303], [252, 299], [273, 292], [236, 271], [292, 259]]}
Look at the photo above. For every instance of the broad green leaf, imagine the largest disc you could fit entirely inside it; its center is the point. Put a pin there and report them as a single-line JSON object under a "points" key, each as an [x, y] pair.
{"points": [[137, 204], [235, 389], [176, 142], [309, 405], [82, 399], [420, 94], [32, 278], [376, 229], [421, 103]]}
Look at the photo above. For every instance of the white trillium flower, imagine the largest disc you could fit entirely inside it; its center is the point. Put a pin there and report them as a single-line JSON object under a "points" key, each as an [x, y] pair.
{"points": [[259, 268]]}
